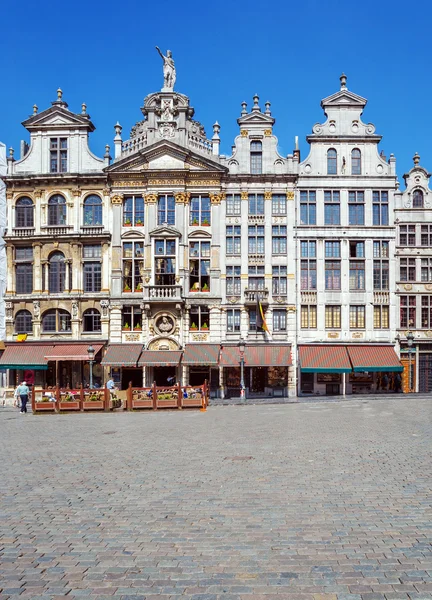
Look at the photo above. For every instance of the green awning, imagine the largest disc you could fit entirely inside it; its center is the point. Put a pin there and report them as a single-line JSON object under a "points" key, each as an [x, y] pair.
{"points": [[25, 367], [374, 359]]}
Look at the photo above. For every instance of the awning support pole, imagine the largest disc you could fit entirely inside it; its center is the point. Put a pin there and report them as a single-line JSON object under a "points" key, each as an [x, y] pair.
{"points": [[343, 384]]}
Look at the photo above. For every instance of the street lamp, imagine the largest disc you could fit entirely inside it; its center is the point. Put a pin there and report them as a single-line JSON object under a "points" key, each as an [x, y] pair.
{"points": [[91, 355], [410, 340], [241, 347]]}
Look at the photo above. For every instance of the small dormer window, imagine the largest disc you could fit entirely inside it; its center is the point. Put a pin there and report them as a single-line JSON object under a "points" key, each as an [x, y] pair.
{"points": [[58, 155], [418, 199], [331, 162], [355, 162], [256, 157]]}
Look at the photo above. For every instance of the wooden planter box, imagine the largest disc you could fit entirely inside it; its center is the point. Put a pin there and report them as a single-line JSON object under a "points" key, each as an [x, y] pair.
{"points": [[93, 405], [171, 403], [72, 405], [142, 403], [197, 401], [45, 406]]}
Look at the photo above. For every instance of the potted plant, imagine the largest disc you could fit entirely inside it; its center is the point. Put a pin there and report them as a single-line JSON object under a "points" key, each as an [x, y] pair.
{"points": [[205, 326], [206, 222], [126, 326], [138, 287], [138, 327], [126, 288], [194, 326], [127, 222], [195, 287], [195, 221], [139, 222], [205, 288]]}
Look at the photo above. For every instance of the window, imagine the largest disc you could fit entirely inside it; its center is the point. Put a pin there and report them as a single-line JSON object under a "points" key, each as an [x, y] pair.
{"points": [[24, 270], [58, 155], [133, 266], [256, 239], [426, 269], [332, 249], [200, 318], [56, 320], [308, 265], [92, 320], [93, 210], [24, 213], [233, 205], [380, 208], [133, 211], [165, 262], [233, 281], [381, 265], [332, 317], [57, 210], [417, 199], [356, 275], [357, 317], [233, 319], [426, 311], [233, 239], [357, 249], [407, 269], [252, 319], [407, 235], [256, 279], [92, 277], [355, 162], [332, 275], [331, 208], [279, 280], [308, 316], [407, 311], [279, 239], [166, 210], [57, 273], [23, 322], [307, 207], [331, 162], [279, 204], [256, 204], [200, 210], [381, 317], [426, 235], [279, 320], [92, 251], [256, 157], [131, 318], [356, 208], [199, 266]]}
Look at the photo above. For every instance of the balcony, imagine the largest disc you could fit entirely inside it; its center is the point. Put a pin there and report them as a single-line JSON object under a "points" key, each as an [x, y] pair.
{"points": [[381, 298], [20, 232], [55, 230], [94, 230], [163, 293], [308, 297], [251, 296]]}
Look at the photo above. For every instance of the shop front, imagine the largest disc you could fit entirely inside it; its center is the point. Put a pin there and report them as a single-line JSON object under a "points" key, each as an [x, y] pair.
{"points": [[121, 362], [161, 367], [201, 363]]}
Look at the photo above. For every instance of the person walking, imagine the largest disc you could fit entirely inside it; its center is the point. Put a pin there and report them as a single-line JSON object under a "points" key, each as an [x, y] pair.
{"points": [[110, 385], [23, 392]]}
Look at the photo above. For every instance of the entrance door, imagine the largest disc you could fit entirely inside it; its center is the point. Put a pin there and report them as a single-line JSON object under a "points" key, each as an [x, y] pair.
{"points": [[162, 374], [135, 375], [258, 379]]}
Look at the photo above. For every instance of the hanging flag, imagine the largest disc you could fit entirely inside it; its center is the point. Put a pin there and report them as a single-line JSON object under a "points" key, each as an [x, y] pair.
{"points": [[260, 317]]}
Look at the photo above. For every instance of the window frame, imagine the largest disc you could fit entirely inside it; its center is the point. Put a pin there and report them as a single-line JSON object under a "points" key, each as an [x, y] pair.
{"points": [[58, 313], [199, 265], [357, 316], [200, 215], [201, 318], [233, 280], [132, 261], [233, 322], [356, 162], [58, 148], [57, 211], [308, 207], [133, 211], [279, 280], [332, 161], [93, 316], [279, 320], [256, 153], [24, 212], [380, 208], [92, 211], [308, 316], [233, 205], [256, 239], [165, 264], [23, 323]]}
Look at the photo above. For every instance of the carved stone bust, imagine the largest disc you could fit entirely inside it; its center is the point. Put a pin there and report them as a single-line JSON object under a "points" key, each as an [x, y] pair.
{"points": [[164, 324]]}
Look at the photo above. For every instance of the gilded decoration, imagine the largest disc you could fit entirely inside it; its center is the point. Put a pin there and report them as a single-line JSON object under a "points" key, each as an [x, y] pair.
{"points": [[267, 132], [357, 335], [267, 195], [204, 182], [291, 308], [106, 191], [150, 198], [166, 182], [132, 337], [9, 195], [132, 183], [76, 192], [163, 344], [199, 337], [215, 198], [290, 195], [244, 132], [333, 335], [244, 195], [182, 198], [117, 199], [428, 334]]}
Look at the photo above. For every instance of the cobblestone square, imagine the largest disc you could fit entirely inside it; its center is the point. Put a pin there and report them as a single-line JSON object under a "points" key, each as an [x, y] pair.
{"points": [[308, 501]]}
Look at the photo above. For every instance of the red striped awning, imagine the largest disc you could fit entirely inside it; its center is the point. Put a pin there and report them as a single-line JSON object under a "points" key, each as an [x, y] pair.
{"points": [[229, 356], [268, 355], [374, 358], [25, 356], [324, 359], [71, 351], [159, 358], [201, 354], [122, 355]]}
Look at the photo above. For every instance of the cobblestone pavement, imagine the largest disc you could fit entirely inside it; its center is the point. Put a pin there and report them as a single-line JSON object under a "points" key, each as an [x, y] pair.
{"points": [[312, 501]]}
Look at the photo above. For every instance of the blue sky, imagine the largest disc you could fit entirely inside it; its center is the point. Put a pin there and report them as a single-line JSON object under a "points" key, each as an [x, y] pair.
{"points": [[290, 53]]}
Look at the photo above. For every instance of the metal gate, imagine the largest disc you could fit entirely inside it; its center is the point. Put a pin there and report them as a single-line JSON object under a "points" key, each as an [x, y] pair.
{"points": [[425, 373]]}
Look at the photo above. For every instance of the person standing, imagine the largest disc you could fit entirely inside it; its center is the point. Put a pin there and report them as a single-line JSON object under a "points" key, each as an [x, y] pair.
{"points": [[23, 392], [110, 385]]}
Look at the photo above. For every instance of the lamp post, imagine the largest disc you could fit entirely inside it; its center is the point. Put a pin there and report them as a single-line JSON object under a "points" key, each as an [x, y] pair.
{"points": [[410, 340], [241, 346], [91, 355]]}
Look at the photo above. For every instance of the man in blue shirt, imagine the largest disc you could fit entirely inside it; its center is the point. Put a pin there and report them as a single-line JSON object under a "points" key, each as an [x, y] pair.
{"points": [[23, 392]]}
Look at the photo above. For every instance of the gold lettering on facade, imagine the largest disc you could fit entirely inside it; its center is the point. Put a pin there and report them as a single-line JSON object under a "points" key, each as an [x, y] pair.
{"points": [[76, 192]]}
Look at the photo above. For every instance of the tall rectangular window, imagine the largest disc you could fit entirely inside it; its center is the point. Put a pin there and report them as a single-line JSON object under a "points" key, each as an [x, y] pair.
{"points": [[24, 270], [279, 320], [256, 239], [200, 318], [332, 274], [356, 275], [332, 249], [166, 210], [407, 269], [233, 205], [131, 318], [381, 265], [256, 157], [380, 208], [133, 211], [426, 269], [133, 265], [92, 276], [233, 320], [307, 207], [331, 207], [199, 266], [426, 312], [407, 311], [233, 240], [332, 317], [381, 317], [165, 262], [308, 265], [407, 235], [308, 316], [256, 280], [356, 208], [426, 235], [256, 204], [58, 155], [279, 204], [279, 239], [357, 249], [233, 280], [357, 317], [279, 280], [200, 211]]}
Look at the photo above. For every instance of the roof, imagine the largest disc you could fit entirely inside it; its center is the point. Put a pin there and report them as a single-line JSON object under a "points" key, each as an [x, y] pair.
{"points": [[374, 358], [324, 359], [70, 351], [201, 354], [122, 355], [25, 356], [159, 358]]}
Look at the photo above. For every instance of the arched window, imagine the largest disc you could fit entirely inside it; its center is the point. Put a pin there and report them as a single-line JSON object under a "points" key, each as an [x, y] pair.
{"points": [[256, 157], [331, 162], [56, 320], [355, 162], [93, 210], [23, 322], [24, 213], [57, 273], [418, 199], [92, 320], [57, 210]]}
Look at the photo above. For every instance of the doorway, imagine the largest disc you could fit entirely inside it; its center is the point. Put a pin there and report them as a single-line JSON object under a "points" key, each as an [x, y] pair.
{"points": [[134, 375], [162, 374]]}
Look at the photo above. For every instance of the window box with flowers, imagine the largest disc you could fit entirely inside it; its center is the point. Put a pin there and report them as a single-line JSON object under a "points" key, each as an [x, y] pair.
{"points": [[127, 223], [195, 287], [139, 223], [137, 328], [193, 327], [195, 222], [205, 327], [205, 288], [206, 223], [139, 287], [126, 327], [126, 288]]}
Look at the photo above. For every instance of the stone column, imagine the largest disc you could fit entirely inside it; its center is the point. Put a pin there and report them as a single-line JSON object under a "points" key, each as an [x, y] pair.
{"points": [[244, 328], [77, 268], [9, 320], [75, 321], [67, 276], [116, 273], [104, 304], [116, 323], [105, 268], [37, 268], [45, 271], [182, 221], [221, 383], [36, 320], [10, 270]]}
